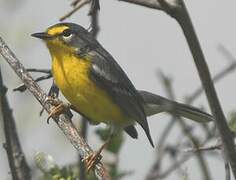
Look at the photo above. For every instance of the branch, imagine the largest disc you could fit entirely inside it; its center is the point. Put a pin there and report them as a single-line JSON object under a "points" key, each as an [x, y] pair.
{"points": [[79, 5], [46, 71], [207, 148], [227, 170], [166, 81], [84, 129], [220, 75], [17, 162], [158, 175], [226, 136], [189, 99], [154, 4], [22, 87], [63, 121], [93, 12], [184, 127], [179, 12]]}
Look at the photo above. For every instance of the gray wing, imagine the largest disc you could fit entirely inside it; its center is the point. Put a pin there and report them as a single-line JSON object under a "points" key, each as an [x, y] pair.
{"points": [[108, 75]]}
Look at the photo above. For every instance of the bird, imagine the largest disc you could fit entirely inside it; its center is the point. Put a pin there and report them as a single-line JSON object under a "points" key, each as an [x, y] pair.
{"points": [[98, 88]]}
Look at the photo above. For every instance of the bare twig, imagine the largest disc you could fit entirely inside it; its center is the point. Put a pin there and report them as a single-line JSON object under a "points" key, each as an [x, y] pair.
{"points": [[93, 12], [206, 175], [84, 129], [229, 69], [46, 71], [227, 165], [79, 5], [226, 53], [207, 148], [75, 2], [219, 76], [227, 170], [17, 162], [154, 4], [22, 87], [185, 22], [173, 166], [63, 121], [193, 139], [179, 11]]}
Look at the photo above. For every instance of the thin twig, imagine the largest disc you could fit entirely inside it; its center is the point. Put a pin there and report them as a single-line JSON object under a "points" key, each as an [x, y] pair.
{"points": [[193, 139], [229, 69], [75, 2], [93, 12], [16, 158], [227, 170], [78, 6], [47, 71], [22, 87], [84, 131], [151, 175], [207, 148], [179, 12], [226, 53], [173, 121], [155, 174], [184, 20], [154, 4], [227, 165], [63, 121]]}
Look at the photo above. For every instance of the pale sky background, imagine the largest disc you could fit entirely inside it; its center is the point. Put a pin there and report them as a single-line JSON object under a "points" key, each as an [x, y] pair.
{"points": [[142, 40]]}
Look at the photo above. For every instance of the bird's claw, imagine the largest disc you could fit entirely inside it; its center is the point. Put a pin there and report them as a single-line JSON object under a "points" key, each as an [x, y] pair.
{"points": [[58, 109], [92, 160]]}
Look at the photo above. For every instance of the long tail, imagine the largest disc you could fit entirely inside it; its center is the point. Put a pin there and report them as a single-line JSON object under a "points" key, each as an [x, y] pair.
{"points": [[155, 104]]}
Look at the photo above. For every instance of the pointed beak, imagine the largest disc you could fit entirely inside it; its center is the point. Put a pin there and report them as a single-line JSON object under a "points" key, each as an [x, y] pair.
{"points": [[42, 35]]}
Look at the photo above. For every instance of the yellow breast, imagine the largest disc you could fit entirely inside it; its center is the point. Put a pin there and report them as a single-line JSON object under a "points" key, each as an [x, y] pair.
{"points": [[71, 75]]}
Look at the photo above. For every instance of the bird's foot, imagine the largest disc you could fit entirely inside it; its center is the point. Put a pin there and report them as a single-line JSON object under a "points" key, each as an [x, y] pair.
{"points": [[58, 109], [94, 158]]}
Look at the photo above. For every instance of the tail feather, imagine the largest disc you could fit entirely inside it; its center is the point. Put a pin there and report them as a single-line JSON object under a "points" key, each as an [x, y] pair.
{"points": [[131, 131], [155, 104], [193, 113]]}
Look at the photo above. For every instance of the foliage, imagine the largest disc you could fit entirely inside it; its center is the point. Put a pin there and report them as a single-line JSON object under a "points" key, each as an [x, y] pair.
{"points": [[232, 121], [51, 171]]}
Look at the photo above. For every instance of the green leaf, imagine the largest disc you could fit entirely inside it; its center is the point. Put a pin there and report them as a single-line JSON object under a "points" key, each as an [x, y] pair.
{"points": [[232, 121], [116, 141]]}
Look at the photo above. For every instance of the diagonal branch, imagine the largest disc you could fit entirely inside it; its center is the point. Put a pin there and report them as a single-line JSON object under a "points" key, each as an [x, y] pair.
{"points": [[17, 162], [79, 5], [63, 122], [154, 4], [231, 67], [179, 12], [169, 89], [226, 137]]}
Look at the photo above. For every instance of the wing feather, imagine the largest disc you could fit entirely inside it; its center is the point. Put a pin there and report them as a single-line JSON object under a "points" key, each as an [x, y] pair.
{"points": [[107, 74]]}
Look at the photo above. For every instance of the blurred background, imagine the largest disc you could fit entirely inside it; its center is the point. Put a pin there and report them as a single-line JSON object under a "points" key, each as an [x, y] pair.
{"points": [[143, 41]]}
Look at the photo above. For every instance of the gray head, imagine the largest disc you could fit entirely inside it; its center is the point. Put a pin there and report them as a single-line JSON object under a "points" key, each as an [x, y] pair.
{"points": [[66, 35]]}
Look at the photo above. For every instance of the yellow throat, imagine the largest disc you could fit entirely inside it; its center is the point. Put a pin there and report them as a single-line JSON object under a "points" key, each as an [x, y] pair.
{"points": [[71, 75]]}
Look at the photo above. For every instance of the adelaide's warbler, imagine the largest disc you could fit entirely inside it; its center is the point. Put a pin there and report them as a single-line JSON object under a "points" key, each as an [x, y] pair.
{"points": [[93, 82]]}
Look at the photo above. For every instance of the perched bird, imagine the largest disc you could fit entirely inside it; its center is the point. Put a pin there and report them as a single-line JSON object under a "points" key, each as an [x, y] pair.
{"points": [[98, 88]]}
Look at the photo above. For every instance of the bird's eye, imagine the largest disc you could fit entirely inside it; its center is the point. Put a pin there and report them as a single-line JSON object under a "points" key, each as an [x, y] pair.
{"points": [[67, 35]]}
